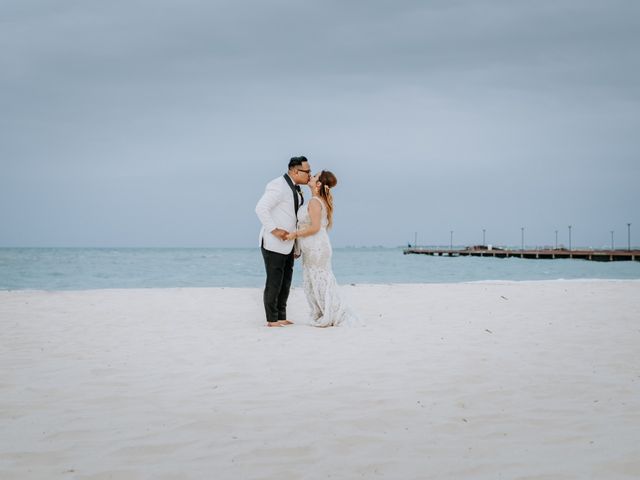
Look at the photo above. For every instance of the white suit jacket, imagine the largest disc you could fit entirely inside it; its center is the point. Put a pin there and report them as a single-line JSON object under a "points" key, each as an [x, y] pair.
{"points": [[276, 209]]}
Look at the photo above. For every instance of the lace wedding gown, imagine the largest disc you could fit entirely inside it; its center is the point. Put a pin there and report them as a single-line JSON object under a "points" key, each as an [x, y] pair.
{"points": [[320, 287]]}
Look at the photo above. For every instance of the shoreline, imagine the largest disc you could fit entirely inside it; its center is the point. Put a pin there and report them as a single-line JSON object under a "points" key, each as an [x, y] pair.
{"points": [[341, 285]]}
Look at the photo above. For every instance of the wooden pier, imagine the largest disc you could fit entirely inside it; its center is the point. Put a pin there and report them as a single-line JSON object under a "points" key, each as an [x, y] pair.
{"points": [[594, 255]]}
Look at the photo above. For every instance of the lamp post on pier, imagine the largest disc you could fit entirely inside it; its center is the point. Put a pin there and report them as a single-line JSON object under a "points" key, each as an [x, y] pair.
{"points": [[484, 242], [629, 236], [612, 248], [569, 237], [451, 240], [522, 235], [556, 239]]}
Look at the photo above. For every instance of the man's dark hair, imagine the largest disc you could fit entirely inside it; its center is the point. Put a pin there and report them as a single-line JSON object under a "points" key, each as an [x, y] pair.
{"points": [[297, 161]]}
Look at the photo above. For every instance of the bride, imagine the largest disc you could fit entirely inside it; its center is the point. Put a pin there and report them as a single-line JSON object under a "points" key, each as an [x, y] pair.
{"points": [[319, 283]]}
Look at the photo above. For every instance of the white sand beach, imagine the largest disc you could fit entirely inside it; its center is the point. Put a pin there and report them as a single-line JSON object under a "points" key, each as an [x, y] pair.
{"points": [[527, 380]]}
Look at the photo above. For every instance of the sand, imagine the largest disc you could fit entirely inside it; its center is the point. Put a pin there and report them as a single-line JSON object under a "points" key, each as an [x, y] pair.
{"points": [[524, 380]]}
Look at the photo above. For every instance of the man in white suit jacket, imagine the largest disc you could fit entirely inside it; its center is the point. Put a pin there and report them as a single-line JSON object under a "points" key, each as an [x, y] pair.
{"points": [[277, 210]]}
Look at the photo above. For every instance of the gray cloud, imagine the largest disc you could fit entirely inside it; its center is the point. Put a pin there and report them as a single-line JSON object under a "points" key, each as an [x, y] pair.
{"points": [[158, 122]]}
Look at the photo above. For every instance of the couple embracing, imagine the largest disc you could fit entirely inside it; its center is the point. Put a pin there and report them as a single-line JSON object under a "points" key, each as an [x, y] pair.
{"points": [[293, 227]]}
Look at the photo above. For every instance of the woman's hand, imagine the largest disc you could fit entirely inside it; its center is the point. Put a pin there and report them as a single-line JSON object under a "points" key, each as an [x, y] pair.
{"points": [[291, 235]]}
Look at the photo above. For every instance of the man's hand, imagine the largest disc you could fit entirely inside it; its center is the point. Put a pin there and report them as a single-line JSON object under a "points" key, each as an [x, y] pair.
{"points": [[280, 233]]}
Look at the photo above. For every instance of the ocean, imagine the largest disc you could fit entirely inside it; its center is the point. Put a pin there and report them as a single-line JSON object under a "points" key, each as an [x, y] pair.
{"points": [[97, 268]]}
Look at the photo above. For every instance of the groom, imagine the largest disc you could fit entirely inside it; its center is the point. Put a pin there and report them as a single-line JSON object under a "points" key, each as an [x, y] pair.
{"points": [[277, 211]]}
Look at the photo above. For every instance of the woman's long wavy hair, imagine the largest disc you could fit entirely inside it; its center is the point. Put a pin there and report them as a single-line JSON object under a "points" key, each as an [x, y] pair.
{"points": [[327, 180]]}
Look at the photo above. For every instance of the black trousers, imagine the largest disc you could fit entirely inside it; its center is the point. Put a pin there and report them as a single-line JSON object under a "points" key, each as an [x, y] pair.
{"points": [[279, 268]]}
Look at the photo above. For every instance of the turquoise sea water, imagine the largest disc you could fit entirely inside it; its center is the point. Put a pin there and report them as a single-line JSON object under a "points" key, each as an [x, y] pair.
{"points": [[93, 268]]}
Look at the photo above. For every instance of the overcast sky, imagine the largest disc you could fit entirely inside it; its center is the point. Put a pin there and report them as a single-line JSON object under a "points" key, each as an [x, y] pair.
{"points": [[158, 123]]}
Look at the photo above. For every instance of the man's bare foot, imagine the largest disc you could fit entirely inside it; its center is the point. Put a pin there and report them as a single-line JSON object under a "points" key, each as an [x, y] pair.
{"points": [[273, 324], [285, 322]]}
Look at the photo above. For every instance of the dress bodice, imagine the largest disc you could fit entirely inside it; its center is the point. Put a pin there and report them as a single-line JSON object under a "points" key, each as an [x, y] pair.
{"points": [[304, 220]]}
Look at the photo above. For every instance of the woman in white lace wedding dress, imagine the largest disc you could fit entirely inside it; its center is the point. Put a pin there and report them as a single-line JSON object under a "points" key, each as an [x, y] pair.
{"points": [[327, 306]]}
